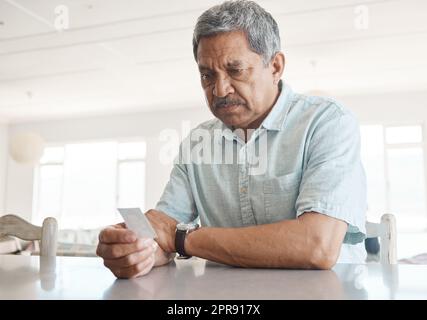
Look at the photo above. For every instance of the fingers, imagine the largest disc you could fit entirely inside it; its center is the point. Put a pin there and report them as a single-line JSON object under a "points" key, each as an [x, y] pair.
{"points": [[118, 250], [136, 270], [117, 234], [134, 265], [124, 254], [131, 259]]}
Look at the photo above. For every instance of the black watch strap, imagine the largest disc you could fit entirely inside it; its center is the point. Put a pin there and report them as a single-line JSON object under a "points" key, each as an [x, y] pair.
{"points": [[179, 243]]}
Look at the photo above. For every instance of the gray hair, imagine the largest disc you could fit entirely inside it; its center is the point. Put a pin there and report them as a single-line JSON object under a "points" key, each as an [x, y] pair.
{"points": [[259, 26]]}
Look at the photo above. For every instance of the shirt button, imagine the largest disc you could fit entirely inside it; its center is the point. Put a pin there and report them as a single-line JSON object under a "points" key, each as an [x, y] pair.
{"points": [[243, 190]]}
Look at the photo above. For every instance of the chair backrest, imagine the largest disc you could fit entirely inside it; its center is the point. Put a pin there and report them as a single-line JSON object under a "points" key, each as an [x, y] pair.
{"points": [[13, 225], [386, 231]]}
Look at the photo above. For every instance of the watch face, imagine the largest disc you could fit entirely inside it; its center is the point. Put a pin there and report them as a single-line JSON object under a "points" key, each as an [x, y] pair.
{"points": [[186, 226]]}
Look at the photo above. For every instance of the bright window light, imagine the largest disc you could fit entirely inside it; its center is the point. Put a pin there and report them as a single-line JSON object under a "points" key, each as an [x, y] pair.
{"points": [[407, 185], [132, 150], [89, 184], [82, 184], [404, 134], [52, 155], [395, 171], [50, 191], [131, 184], [372, 140]]}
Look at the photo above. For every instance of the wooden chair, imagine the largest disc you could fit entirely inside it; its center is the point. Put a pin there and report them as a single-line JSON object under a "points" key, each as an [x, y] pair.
{"points": [[386, 231], [12, 225]]}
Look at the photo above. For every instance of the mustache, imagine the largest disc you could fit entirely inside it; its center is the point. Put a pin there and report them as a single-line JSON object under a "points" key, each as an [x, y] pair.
{"points": [[219, 102]]}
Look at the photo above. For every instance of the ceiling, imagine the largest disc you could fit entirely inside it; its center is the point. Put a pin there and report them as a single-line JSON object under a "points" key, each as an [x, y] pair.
{"points": [[136, 55]]}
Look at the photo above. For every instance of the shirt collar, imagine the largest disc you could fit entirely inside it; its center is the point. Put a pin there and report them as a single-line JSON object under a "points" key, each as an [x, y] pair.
{"points": [[276, 117]]}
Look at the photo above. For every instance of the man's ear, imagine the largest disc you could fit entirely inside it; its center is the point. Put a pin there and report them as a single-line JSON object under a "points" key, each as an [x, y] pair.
{"points": [[277, 66]]}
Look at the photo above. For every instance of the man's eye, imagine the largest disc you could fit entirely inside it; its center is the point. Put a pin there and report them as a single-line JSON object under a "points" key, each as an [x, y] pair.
{"points": [[235, 72], [205, 76]]}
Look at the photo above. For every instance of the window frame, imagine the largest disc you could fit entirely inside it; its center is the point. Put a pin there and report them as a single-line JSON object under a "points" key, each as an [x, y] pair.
{"points": [[399, 146], [130, 160], [36, 217]]}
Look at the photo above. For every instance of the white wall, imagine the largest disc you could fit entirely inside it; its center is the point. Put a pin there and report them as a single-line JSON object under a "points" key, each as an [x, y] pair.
{"points": [[380, 108], [389, 108], [148, 125], [3, 165]]}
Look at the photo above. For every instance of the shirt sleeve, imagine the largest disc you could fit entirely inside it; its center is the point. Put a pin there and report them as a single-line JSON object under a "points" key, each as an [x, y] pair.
{"points": [[177, 199], [334, 181]]}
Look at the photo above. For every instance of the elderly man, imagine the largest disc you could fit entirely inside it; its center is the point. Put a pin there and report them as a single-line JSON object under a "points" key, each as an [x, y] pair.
{"points": [[305, 208]]}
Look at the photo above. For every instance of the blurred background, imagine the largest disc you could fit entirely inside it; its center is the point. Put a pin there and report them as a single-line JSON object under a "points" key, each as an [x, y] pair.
{"points": [[90, 90]]}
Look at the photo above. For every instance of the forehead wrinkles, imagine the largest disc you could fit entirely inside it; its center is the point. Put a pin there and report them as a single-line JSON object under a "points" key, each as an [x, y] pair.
{"points": [[221, 50], [221, 58]]}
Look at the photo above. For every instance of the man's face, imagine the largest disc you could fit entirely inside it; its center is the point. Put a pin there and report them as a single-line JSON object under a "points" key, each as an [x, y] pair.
{"points": [[239, 88]]}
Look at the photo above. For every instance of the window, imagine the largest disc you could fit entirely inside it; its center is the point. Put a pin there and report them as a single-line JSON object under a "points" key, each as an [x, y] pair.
{"points": [[82, 184], [407, 134], [394, 161], [131, 174], [406, 183], [373, 160]]}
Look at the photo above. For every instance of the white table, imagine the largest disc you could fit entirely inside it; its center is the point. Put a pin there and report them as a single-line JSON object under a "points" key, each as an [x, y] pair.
{"points": [[28, 277]]}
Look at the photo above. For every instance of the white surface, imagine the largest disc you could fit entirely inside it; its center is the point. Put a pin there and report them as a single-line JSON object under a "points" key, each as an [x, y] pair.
{"points": [[23, 277], [120, 56]]}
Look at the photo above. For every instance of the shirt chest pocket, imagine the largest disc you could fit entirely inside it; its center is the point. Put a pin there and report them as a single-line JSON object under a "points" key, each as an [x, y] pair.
{"points": [[280, 194]]}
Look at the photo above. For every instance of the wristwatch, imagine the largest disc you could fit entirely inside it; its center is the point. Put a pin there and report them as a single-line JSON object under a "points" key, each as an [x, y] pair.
{"points": [[182, 229]]}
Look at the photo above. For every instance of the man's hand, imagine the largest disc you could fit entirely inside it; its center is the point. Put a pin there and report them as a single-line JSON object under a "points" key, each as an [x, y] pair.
{"points": [[165, 227], [125, 255]]}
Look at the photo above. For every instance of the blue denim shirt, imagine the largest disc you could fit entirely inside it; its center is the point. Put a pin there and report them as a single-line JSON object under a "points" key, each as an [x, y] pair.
{"points": [[304, 157]]}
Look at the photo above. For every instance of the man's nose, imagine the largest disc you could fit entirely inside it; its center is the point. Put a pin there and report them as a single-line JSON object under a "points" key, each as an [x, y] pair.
{"points": [[222, 87]]}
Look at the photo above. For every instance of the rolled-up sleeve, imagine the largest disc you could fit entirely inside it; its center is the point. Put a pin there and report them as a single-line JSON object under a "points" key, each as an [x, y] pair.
{"points": [[177, 199], [334, 181]]}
